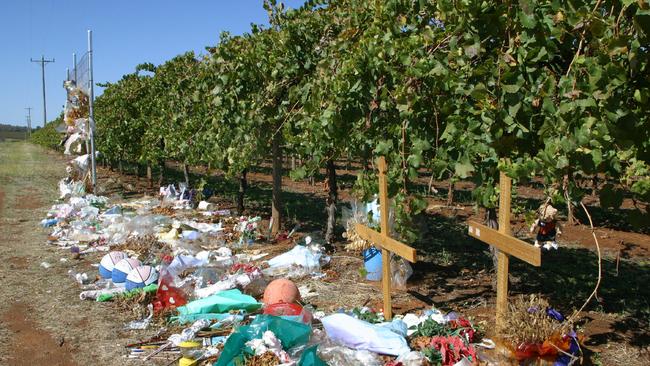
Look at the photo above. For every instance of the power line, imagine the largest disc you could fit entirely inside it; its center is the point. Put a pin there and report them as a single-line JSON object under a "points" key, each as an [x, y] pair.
{"points": [[43, 61]]}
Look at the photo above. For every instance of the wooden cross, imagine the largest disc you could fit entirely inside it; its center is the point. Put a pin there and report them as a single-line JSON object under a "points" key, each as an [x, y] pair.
{"points": [[388, 245], [507, 245]]}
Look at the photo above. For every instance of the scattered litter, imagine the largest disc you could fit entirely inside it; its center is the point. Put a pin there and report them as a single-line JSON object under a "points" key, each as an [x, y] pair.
{"points": [[81, 278], [141, 324], [205, 270], [206, 206], [95, 294], [299, 262], [306, 292]]}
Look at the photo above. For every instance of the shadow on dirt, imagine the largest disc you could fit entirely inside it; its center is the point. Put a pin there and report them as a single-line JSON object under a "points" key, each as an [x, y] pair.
{"points": [[567, 277], [459, 269]]}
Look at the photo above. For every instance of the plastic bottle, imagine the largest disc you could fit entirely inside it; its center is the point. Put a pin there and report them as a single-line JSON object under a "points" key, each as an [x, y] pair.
{"points": [[49, 222], [80, 278]]}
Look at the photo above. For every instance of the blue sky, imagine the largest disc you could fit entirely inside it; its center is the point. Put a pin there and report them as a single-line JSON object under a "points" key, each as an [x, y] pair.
{"points": [[125, 33]]}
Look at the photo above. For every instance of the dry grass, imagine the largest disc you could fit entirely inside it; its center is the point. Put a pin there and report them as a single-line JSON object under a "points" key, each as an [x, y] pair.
{"points": [[24, 160], [137, 304], [527, 321], [624, 354], [266, 359], [164, 210], [346, 288], [143, 246]]}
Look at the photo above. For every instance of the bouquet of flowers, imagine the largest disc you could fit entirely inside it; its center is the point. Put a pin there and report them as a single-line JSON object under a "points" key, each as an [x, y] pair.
{"points": [[446, 343], [449, 350], [248, 228], [535, 329]]}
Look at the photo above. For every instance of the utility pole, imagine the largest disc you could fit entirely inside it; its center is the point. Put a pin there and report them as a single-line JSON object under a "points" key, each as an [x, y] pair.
{"points": [[29, 121], [43, 61]]}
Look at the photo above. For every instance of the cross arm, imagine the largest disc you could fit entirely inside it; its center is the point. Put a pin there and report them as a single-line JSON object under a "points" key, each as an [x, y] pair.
{"points": [[506, 243], [386, 242]]}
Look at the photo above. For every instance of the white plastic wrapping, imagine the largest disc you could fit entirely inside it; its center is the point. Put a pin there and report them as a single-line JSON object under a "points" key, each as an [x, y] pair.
{"points": [[71, 141], [358, 334], [300, 256]]}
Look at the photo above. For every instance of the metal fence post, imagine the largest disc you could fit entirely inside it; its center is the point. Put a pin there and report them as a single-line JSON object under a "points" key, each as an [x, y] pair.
{"points": [[91, 118]]}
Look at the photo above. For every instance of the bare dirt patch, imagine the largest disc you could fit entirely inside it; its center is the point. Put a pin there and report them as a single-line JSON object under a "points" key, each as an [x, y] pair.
{"points": [[27, 202], [31, 345], [629, 245], [18, 262]]}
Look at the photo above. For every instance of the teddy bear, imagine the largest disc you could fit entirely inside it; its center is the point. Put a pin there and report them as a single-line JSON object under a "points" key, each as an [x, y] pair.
{"points": [[548, 227]]}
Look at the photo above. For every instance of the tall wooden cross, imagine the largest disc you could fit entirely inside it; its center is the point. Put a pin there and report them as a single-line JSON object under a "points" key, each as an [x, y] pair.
{"points": [[507, 246], [384, 241]]}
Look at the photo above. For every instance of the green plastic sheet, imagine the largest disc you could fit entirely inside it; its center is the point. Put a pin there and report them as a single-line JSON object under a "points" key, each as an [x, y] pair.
{"points": [[221, 302], [290, 333], [309, 357]]}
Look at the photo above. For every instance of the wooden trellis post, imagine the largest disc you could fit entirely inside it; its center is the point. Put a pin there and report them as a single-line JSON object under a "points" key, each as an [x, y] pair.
{"points": [[384, 241], [507, 246]]}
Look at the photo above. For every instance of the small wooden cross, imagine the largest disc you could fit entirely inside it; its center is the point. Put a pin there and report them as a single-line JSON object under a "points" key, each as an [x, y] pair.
{"points": [[388, 245], [507, 246]]}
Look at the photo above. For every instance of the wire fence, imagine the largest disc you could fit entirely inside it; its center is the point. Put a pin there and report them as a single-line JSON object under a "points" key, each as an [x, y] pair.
{"points": [[77, 96], [80, 75]]}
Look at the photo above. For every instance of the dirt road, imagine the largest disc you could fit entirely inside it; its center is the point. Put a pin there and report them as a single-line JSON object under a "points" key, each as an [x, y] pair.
{"points": [[42, 320]]}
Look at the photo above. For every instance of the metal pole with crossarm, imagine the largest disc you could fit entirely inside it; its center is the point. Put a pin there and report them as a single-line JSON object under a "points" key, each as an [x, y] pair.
{"points": [[43, 61], [29, 121]]}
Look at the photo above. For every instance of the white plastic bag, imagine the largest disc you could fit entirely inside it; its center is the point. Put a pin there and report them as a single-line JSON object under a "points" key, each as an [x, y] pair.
{"points": [[358, 334], [343, 356], [82, 162], [396, 326], [413, 358], [183, 262], [300, 256], [223, 285], [400, 272], [75, 137]]}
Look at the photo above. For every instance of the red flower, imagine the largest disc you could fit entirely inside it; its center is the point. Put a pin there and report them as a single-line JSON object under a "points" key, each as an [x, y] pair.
{"points": [[452, 349], [466, 328], [244, 267]]}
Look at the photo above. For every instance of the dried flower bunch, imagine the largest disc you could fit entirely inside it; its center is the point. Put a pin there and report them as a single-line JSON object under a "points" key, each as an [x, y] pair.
{"points": [[357, 244], [531, 320]]}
